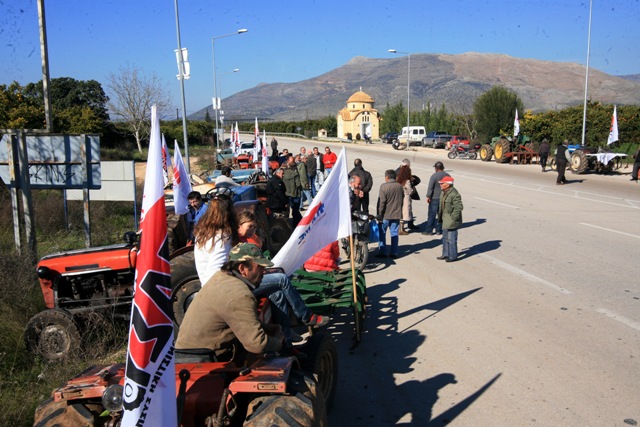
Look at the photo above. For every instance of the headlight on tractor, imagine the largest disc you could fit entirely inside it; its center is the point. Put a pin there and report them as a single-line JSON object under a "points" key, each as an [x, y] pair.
{"points": [[112, 398]]}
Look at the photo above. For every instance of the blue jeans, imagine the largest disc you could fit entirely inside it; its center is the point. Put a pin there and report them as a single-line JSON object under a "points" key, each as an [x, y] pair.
{"points": [[432, 217], [312, 185], [306, 195], [319, 180], [277, 287], [450, 244], [294, 204], [394, 225]]}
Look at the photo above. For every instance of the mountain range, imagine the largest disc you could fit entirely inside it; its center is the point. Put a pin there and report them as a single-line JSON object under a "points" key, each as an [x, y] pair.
{"points": [[436, 79]]}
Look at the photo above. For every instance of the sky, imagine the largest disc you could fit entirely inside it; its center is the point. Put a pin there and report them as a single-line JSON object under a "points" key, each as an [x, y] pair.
{"points": [[290, 41]]}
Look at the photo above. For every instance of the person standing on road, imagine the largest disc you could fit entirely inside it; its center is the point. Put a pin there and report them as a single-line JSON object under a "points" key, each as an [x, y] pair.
{"points": [[366, 183], [319, 168], [562, 156], [311, 173], [450, 216], [301, 164], [433, 226], [293, 187], [329, 159], [404, 179], [636, 166], [544, 154], [389, 212], [274, 148], [277, 200]]}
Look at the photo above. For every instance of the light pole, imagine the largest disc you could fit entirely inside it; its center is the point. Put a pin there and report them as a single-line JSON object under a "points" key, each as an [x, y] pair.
{"points": [[181, 76], [586, 78], [219, 96], [408, 87], [215, 86]]}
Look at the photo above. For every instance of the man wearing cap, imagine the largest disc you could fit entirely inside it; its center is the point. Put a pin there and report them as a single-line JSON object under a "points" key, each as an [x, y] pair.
{"points": [[562, 157], [450, 216], [225, 313], [225, 180], [433, 199]]}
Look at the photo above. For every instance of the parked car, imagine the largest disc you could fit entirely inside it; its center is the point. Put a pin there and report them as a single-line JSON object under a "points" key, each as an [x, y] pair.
{"points": [[246, 148], [415, 135], [436, 139], [389, 137], [457, 140]]}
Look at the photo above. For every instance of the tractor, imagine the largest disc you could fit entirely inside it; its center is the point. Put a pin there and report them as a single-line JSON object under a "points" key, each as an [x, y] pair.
{"points": [[591, 159], [504, 148]]}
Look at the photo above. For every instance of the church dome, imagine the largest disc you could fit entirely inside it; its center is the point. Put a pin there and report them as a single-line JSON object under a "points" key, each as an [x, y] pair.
{"points": [[360, 96]]}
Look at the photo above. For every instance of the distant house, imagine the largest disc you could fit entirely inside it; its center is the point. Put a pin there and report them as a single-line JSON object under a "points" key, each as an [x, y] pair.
{"points": [[359, 118]]}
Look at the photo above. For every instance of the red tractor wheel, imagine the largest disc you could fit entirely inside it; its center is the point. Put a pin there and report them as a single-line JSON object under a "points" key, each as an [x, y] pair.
{"points": [[52, 334]]}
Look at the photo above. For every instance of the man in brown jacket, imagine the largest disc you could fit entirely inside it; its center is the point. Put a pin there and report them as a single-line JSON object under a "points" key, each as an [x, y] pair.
{"points": [[224, 314], [390, 199]]}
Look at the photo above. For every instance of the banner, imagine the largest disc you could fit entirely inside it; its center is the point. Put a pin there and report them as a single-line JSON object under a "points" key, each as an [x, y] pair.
{"points": [[181, 183], [256, 142], [613, 130], [516, 125], [149, 397], [265, 155], [166, 161], [327, 220]]}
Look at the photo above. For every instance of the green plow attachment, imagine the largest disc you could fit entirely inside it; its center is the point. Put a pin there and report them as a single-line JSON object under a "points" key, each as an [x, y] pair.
{"points": [[324, 291]]}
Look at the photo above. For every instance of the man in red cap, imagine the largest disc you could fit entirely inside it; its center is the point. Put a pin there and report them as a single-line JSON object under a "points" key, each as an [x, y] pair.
{"points": [[450, 216]]}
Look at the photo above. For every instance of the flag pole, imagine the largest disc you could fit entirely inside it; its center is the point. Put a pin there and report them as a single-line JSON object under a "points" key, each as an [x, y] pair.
{"points": [[356, 314]]}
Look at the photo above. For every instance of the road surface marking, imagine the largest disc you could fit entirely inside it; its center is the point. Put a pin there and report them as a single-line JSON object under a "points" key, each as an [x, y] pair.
{"points": [[613, 231], [497, 203], [617, 317], [524, 274]]}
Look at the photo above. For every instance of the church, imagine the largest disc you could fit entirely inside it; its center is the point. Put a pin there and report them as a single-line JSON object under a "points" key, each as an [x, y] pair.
{"points": [[359, 118]]}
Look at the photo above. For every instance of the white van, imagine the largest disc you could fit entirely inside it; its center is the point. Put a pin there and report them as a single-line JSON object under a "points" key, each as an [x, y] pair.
{"points": [[416, 133]]}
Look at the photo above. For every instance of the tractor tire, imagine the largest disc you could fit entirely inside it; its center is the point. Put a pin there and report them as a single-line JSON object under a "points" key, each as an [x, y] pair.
{"points": [[322, 361], [303, 405], [361, 255], [500, 151], [185, 284], [61, 414], [486, 153], [52, 334], [579, 162], [279, 232]]}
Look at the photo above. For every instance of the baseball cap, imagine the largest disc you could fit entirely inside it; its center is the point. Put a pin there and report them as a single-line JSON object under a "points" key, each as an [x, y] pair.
{"points": [[438, 165], [446, 180], [249, 251]]}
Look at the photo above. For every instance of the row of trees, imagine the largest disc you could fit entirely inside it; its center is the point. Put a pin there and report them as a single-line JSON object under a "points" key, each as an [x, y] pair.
{"points": [[83, 107]]}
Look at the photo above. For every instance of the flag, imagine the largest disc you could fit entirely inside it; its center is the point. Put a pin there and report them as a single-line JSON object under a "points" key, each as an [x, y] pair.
{"points": [[265, 156], [327, 220], [256, 142], [181, 184], [166, 161], [516, 125], [149, 397], [613, 131], [236, 145]]}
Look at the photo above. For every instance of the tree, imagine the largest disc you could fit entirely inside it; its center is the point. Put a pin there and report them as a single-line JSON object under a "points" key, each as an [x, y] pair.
{"points": [[495, 112], [134, 94]]}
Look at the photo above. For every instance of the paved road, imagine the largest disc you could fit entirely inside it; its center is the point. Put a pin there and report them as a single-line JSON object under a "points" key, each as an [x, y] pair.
{"points": [[538, 323]]}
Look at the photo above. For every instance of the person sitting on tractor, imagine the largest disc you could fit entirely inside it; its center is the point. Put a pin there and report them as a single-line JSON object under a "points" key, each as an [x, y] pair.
{"points": [[223, 317], [224, 180]]}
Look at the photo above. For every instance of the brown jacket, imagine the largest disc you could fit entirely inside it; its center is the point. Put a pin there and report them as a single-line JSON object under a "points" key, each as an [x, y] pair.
{"points": [[222, 313], [390, 199]]}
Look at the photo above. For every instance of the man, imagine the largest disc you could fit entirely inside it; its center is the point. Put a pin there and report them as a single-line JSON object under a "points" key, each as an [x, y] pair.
{"points": [[283, 157], [293, 185], [562, 156], [303, 151], [329, 159], [319, 169], [544, 153], [274, 148], [450, 216], [433, 199], [311, 173], [366, 183], [277, 199], [389, 210], [355, 192], [197, 208], [223, 317], [301, 164], [225, 180], [636, 166]]}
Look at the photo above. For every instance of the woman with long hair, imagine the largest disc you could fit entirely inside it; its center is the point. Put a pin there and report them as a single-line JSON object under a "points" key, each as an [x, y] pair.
{"points": [[214, 234], [404, 179]]}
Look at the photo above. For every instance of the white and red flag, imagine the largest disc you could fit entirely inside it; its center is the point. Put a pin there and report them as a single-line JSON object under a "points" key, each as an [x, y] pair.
{"points": [[256, 142], [149, 397], [181, 183], [516, 125], [166, 161], [265, 156], [613, 130], [236, 145], [327, 220]]}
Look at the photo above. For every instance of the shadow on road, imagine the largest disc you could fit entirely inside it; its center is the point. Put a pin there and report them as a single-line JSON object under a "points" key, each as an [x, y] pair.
{"points": [[367, 393], [480, 248], [475, 222]]}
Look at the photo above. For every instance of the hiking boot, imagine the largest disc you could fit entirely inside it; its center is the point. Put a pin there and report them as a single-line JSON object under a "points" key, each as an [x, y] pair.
{"points": [[317, 321], [402, 232]]}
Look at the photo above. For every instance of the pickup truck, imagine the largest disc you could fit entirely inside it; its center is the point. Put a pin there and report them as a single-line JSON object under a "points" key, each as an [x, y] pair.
{"points": [[436, 139], [457, 140]]}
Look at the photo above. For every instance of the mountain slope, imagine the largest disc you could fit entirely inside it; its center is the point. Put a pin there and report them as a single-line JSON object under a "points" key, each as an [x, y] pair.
{"points": [[453, 80]]}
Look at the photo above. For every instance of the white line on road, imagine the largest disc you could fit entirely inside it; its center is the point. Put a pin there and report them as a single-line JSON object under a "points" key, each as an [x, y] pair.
{"points": [[617, 317], [524, 274], [497, 203], [613, 231]]}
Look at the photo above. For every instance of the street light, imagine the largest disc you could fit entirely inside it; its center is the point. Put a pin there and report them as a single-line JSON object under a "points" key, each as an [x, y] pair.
{"points": [[408, 86], [215, 87]]}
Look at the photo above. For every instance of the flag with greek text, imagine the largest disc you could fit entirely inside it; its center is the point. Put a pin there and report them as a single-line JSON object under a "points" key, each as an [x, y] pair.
{"points": [[181, 183], [327, 220], [149, 397]]}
